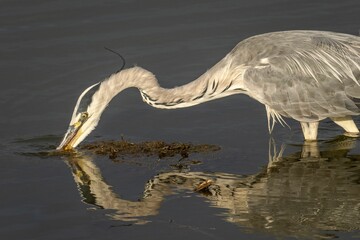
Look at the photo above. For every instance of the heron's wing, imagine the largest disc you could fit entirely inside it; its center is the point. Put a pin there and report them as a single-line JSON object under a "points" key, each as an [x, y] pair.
{"points": [[321, 80]]}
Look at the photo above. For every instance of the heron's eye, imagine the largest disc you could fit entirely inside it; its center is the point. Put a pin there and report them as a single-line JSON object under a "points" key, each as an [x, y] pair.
{"points": [[84, 116]]}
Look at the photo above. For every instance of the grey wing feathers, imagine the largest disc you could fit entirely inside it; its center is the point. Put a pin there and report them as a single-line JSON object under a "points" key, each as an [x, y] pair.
{"points": [[317, 78]]}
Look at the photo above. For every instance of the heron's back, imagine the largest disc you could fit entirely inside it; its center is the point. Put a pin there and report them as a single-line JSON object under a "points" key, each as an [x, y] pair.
{"points": [[305, 75]]}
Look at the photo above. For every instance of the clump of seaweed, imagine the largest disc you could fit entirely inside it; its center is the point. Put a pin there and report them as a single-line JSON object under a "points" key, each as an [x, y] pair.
{"points": [[150, 148]]}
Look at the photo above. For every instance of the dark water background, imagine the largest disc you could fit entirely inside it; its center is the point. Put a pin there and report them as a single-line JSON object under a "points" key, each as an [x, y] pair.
{"points": [[52, 50]]}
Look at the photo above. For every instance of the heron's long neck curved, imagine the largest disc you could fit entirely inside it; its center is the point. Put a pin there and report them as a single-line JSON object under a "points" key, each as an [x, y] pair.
{"points": [[219, 81]]}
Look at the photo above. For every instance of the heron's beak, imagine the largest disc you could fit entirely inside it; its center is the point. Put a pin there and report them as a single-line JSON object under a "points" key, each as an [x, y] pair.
{"points": [[72, 134]]}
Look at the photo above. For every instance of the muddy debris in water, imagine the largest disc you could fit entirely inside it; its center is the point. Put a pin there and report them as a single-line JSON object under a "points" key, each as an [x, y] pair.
{"points": [[203, 185], [114, 149]]}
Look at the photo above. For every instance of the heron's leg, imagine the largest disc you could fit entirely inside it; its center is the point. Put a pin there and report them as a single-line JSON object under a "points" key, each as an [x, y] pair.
{"points": [[310, 130], [346, 123]]}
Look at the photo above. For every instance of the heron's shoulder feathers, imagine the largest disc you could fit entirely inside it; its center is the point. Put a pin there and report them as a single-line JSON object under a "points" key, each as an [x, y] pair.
{"points": [[303, 53], [314, 78]]}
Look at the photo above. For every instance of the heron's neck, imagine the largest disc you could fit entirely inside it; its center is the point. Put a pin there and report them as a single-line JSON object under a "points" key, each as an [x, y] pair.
{"points": [[220, 81]]}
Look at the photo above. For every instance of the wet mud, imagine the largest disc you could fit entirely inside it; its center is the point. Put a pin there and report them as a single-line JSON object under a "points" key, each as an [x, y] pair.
{"points": [[115, 149]]}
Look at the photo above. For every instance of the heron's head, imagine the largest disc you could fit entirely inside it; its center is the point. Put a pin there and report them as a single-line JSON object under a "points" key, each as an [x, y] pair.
{"points": [[85, 117], [95, 99]]}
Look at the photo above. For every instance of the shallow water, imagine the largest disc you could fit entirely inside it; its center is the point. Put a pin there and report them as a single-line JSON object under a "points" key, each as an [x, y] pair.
{"points": [[262, 187]]}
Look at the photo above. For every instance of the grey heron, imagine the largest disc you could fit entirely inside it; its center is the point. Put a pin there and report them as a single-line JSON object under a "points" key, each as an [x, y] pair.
{"points": [[301, 74]]}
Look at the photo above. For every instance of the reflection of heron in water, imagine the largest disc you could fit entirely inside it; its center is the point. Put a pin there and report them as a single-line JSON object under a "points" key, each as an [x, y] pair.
{"points": [[304, 75], [321, 192]]}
